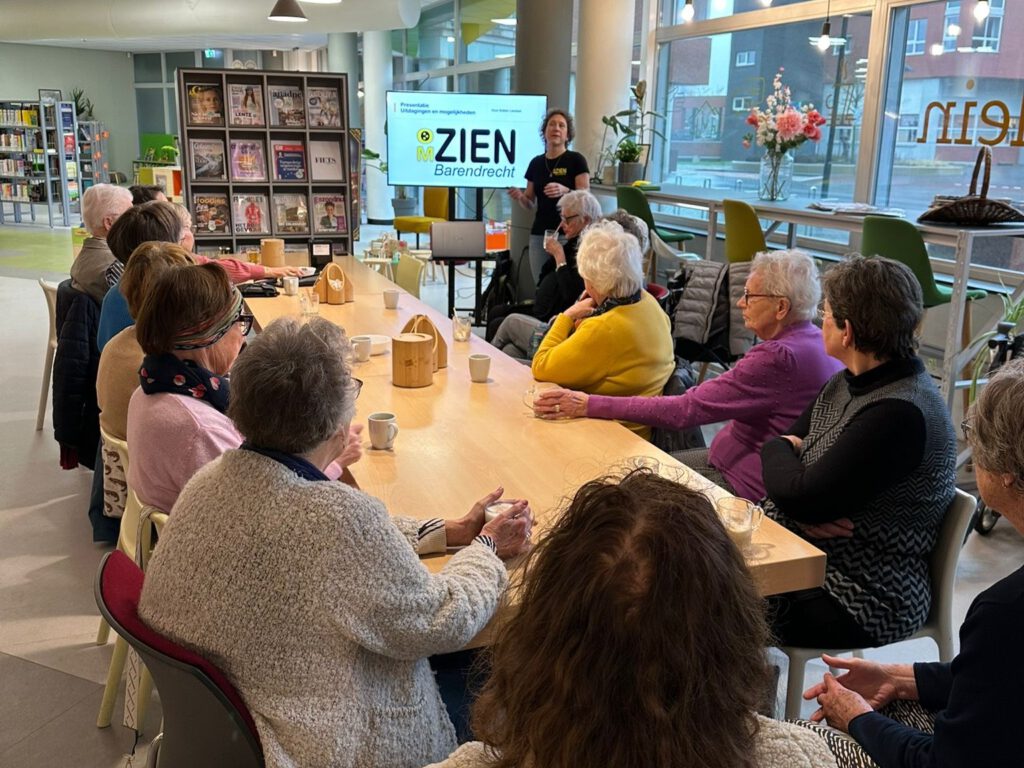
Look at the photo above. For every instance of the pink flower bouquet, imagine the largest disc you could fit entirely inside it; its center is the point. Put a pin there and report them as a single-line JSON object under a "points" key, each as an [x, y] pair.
{"points": [[780, 126]]}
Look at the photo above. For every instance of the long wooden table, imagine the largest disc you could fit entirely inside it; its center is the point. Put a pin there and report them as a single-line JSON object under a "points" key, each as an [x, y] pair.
{"points": [[459, 440]]}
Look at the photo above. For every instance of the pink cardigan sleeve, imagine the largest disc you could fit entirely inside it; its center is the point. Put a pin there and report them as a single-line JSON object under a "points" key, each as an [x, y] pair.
{"points": [[238, 271]]}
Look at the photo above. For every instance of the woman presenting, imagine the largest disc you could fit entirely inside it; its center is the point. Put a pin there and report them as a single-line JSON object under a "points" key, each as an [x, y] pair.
{"points": [[557, 171]]}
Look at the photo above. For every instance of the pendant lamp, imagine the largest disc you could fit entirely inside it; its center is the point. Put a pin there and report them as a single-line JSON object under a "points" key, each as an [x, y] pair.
{"points": [[287, 10]]}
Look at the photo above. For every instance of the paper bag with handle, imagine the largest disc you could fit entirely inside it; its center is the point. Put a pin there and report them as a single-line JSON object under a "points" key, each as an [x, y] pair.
{"points": [[333, 287], [423, 324]]}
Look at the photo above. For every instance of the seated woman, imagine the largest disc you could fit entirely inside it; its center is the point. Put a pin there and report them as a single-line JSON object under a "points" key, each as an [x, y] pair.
{"points": [[308, 594], [867, 471], [639, 641], [762, 394], [960, 711], [559, 285], [616, 340]]}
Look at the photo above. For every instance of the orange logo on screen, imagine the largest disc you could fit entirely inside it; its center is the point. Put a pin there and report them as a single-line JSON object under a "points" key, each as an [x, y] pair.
{"points": [[995, 114]]}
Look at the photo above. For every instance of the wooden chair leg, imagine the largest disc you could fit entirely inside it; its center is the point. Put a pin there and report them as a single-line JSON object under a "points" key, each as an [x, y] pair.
{"points": [[113, 682]]}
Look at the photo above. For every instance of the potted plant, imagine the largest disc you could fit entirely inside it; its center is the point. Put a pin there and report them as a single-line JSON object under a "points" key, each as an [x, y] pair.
{"points": [[403, 203], [630, 167], [634, 125]]}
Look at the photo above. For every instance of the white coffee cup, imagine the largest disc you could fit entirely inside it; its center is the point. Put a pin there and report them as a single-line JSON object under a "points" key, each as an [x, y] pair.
{"points": [[479, 367], [740, 518], [496, 508], [383, 430], [361, 346], [291, 285], [391, 298]]}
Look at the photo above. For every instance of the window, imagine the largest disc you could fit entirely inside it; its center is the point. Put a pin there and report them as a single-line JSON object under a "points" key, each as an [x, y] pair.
{"points": [[908, 128], [742, 103], [746, 58], [917, 36], [951, 26], [987, 34]]}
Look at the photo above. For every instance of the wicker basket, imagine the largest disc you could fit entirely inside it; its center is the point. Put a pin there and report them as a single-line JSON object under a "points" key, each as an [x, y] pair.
{"points": [[973, 210]]}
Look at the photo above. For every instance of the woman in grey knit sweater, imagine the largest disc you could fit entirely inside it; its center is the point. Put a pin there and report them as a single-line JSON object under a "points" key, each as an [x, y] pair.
{"points": [[306, 593]]}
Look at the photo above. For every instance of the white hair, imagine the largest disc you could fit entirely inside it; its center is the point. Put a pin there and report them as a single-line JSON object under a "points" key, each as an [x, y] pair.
{"points": [[609, 259], [792, 274], [185, 217], [102, 200], [580, 202]]}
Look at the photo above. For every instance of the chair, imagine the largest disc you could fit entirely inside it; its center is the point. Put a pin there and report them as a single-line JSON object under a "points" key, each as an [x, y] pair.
{"points": [[938, 625], [633, 201], [660, 294], [408, 272], [743, 236], [50, 292], [435, 208], [206, 721]]}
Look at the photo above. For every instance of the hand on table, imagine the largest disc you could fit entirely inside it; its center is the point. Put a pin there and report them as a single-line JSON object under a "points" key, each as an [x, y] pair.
{"points": [[283, 271], [581, 309], [874, 685], [554, 189], [511, 530], [837, 529], [838, 704], [560, 404]]}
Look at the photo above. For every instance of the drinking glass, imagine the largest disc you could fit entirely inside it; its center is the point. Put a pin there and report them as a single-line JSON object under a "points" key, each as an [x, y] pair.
{"points": [[461, 328]]}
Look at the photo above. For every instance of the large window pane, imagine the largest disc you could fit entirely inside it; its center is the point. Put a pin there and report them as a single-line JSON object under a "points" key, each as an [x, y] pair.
{"points": [[150, 105], [483, 37], [432, 42], [178, 60], [147, 68], [672, 12]]}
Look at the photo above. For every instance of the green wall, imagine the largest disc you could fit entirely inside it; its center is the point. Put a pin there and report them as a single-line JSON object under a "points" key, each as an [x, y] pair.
{"points": [[105, 76]]}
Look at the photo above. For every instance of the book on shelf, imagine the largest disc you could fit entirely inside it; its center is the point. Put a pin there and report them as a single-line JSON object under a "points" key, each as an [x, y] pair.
{"points": [[291, 216], [207, 159], [250, 214], [325, 161], [248, 161], [205, 104], [210, 213], [323, 107], [287, 107], [289, 160], [329, 214], [245, 105]]}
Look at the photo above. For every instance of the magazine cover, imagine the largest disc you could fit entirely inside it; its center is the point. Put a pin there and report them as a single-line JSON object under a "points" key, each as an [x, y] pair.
{"points": [[205, 104], [210, 213], [250, 214], [248, 162], [329, 214], [286, 105], [323, 107], [207, 159], [289, 160], [245, 104], [325, 161], [291, 217]]}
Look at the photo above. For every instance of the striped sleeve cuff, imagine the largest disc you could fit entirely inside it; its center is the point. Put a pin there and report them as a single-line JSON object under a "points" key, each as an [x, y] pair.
{"points": [[487, 541], [431, 537], [113, 273]]}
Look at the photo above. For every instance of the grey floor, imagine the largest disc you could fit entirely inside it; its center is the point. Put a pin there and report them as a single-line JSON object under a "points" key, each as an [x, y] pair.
{"points": [[51, 672]]}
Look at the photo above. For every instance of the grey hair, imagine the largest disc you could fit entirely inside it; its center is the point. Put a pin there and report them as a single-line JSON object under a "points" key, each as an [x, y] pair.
{"points": [[996, 422], [792, 274], [291, 387], [609, 258], [185, 217], [101, 200], [580, 202], [634, 225]]}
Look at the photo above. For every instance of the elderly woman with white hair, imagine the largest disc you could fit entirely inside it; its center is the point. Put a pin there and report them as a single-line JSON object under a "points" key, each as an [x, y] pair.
{"points": [[307, 593], [616, 340], [760, 396], [102, 204]]}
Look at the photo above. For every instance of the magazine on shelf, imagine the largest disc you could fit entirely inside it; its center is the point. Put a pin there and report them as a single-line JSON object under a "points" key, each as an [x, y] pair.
{"points": [[210, 213], [250, 214], [291, 216], [207, 159], [289, 160], [248, 161], [245, 104], [329, 214], [323, 107], [325, 161], [205, 104], [287, 107]]}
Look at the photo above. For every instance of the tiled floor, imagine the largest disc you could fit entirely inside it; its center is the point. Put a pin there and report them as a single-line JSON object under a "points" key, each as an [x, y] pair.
{"points": [[51, 673]]}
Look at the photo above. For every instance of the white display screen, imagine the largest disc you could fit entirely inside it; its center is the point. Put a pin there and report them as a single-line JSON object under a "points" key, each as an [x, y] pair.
{"points": [[462, 139]]}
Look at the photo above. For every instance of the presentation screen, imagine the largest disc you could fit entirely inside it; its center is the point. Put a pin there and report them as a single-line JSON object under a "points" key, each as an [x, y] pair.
{"points": [[462, 139]]}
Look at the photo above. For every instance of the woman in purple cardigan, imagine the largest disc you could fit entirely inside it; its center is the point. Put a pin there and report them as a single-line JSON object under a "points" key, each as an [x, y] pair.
{"points": [[762, 394]]}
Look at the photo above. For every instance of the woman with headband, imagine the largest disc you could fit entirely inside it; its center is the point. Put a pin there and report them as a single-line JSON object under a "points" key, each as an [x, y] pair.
{"points": [[191, 327]]}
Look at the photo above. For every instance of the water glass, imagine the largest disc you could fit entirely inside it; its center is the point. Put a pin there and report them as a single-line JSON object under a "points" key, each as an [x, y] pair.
{"points": [[462, 328]]}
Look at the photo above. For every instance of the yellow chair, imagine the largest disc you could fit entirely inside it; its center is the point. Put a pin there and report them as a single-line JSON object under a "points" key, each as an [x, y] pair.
{"points": [[50, 291], [408, 273], [743, 236], [435, 208]]}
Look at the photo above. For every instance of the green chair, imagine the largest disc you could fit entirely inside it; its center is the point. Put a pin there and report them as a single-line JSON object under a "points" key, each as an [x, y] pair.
{"points": [[409, 273], [743, 236], [633, 201]]}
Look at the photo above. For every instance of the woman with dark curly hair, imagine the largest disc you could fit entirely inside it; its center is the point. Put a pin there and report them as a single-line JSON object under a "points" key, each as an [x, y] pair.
{"points": [[639, 641]]}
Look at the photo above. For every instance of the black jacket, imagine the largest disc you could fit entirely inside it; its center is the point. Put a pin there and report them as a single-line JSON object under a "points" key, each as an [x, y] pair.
{"points": [[76, 417]]}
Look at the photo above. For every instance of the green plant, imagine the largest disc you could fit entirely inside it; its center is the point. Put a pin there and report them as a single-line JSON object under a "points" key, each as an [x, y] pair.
{"points": [[628, 151], [83, 106], [631, 125], [1013, 312]]}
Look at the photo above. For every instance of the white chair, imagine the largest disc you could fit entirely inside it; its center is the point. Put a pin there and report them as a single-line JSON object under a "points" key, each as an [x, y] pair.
{"points": [[939, 624], [50, 292]]}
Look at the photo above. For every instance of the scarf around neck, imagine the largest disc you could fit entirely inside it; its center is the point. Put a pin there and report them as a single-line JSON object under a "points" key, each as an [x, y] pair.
{"points": [[167, 373], [296, 464]]}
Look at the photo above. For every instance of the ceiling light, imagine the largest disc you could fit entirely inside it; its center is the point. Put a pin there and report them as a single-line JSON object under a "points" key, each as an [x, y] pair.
{"points": [[953, 30], [825, 39], [766, 3], [686, 14], [936, 49], [287, 10], [509, 22], [450, 39], [981, 10], [322, 2]]}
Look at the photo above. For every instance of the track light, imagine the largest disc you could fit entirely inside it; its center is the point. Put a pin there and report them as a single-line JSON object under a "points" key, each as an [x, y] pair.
{"points": [[825, 39], [687, 12], [287, 10], [981, 10]]}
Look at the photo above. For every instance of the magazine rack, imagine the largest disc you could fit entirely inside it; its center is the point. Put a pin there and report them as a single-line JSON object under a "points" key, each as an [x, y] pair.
{"points": [[268, 154]]}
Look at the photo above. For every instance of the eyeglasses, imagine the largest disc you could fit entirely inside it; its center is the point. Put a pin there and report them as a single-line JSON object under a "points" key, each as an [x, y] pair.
{"points": [[357, 387], [747, 296], [570, 217], [245, 320]]}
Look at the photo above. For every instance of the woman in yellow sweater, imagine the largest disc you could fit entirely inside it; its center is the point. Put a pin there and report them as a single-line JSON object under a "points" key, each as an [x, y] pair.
{"points": [[615, 340]]}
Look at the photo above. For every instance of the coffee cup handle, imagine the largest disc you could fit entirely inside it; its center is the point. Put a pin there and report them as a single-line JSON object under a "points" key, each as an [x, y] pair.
{"points": [[392, 433]]}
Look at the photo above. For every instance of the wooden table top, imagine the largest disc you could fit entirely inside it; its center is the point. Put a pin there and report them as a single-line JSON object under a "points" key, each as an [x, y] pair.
{"points": [[459, 440]]}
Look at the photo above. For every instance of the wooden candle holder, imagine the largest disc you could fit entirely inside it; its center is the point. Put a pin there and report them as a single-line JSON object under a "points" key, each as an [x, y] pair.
{"points": [[423, 324], [412, 360], [333, 287]]}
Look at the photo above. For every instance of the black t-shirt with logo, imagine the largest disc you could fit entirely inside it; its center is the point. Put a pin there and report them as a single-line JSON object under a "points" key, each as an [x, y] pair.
{"points": [[562, 170]]}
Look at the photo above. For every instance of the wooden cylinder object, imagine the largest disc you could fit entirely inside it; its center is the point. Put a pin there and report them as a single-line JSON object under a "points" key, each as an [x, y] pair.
{"points": [[272, 252], [423, 324], [412, 360]]}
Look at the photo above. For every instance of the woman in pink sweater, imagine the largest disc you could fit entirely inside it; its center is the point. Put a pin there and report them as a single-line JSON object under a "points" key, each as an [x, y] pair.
{"points": [[760, 396]]}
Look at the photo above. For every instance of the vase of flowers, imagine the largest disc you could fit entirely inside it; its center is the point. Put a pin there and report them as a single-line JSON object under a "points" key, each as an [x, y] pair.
{"points": [[779, 127]]}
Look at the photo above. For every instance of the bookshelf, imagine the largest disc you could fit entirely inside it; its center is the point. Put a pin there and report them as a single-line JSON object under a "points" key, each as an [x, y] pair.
{"points": [[267, 154], [92, 153], [39, 161]]}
